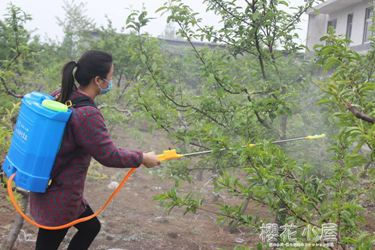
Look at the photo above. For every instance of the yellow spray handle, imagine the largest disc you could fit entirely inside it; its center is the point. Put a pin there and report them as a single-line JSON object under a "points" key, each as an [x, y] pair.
{"points": [[314, 137], [169, 155]]}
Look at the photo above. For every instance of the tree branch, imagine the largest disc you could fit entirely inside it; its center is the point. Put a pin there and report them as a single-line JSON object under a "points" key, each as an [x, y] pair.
{"points": [[218, 80], [124, 111], [167, 129], [149, 68], [220, 4], [8, 90], [359, 114]]}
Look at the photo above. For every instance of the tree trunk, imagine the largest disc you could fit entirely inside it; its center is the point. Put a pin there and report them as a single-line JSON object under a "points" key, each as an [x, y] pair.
{"points": [[282, 214], [17, 224]]}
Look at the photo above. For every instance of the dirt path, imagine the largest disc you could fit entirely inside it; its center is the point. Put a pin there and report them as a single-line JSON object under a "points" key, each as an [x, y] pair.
{"points": [[135, 221]]}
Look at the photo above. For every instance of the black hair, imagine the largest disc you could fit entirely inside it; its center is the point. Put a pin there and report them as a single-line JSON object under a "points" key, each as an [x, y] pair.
{"points": [[91, 64]]}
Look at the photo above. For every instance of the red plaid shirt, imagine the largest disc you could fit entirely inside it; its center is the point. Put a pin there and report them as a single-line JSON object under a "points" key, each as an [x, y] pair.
{"points": [[85, 136]]}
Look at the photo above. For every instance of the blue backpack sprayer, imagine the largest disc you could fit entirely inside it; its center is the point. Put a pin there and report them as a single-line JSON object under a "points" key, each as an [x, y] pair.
{"points": [[36, 141]]}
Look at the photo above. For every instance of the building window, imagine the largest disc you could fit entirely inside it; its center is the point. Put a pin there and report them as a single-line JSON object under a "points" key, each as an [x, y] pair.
{"points": [[349, 26], [367, 32], [332, 23]]}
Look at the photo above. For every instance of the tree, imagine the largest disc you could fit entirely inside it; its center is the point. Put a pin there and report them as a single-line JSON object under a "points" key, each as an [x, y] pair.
{"points": [[349, 96], [246, 94], [78, 28], [16, 52], [169, 32]]}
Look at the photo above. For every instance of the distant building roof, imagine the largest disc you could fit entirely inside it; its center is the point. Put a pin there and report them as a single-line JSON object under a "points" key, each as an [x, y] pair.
{"points": [[180, 42], [330, 6]]}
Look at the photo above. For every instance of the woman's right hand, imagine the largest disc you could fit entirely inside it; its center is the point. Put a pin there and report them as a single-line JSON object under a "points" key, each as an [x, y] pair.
{"points": [[150, 159]]}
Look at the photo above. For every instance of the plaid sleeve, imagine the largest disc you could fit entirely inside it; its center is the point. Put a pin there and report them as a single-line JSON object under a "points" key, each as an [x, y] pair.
{"points": [[92, 135]]}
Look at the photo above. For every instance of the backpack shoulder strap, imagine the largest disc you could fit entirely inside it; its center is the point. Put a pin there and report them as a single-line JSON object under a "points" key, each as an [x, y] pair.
{"points": [[80, 101]]}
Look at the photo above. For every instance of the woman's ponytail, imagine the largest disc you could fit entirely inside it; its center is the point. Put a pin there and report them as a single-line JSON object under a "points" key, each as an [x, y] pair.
{"points": [[91, 64], [67, 84]]}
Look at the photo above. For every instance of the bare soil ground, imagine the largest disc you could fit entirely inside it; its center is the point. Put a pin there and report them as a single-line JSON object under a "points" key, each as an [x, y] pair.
{"points": [[135, 221]]}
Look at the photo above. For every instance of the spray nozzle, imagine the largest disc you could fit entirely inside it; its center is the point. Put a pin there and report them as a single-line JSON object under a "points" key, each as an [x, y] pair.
{"points": [[314, 137]]}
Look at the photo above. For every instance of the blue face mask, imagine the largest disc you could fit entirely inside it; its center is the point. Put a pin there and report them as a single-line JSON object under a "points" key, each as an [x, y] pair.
{"points": [[106, 90]]}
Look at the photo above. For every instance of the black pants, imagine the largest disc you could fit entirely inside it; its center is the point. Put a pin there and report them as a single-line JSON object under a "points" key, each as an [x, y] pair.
{"points": [[87, 231]]}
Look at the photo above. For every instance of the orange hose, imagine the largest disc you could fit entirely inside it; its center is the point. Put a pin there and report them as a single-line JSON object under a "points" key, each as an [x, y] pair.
{"points": [[32, 222]]}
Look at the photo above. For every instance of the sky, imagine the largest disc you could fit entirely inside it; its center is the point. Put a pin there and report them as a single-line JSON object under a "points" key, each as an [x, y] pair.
{"points": [[44, 13]]}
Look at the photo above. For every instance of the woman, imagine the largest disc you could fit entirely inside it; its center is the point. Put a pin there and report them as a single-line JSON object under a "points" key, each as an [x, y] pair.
{"points": [[85, 136]]}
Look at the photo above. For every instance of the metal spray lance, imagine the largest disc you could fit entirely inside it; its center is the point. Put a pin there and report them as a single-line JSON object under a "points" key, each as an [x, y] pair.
{"points": [[172, 154]]}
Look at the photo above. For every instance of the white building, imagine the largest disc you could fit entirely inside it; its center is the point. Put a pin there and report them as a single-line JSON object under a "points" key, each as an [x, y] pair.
{"points": [[350, 18]]}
